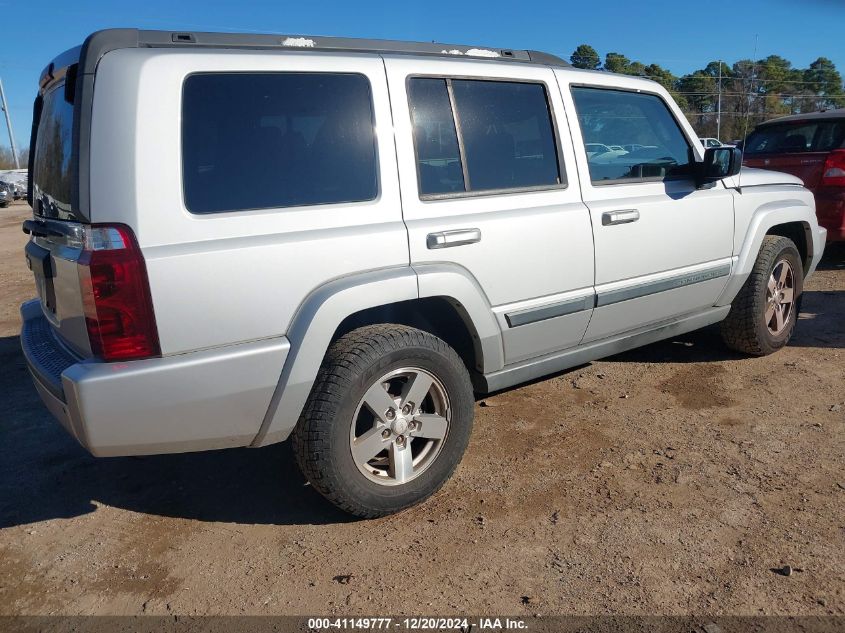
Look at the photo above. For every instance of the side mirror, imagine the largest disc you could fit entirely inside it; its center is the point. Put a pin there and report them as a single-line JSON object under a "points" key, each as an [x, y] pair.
{"points": [[718, 163]]}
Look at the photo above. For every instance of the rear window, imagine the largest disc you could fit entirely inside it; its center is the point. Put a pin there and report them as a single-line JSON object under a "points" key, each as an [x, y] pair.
{"points": [[266, 140], [53, 152], [796, 137]]}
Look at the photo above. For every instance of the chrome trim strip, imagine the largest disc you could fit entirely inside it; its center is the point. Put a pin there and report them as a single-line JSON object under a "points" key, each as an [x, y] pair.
{"points": [[549, 311], [662, 285]]}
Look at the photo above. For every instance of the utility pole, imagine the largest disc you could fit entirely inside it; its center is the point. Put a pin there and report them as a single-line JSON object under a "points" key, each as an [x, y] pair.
{"points": [[9, 126], [719, 106]]}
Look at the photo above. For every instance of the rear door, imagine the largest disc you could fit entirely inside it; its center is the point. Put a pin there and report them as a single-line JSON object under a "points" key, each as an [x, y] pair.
{"points": [[488, 188], [795, 147]]}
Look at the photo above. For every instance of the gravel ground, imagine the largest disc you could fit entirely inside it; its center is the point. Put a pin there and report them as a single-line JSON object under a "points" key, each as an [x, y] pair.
{"points": [[675, 479]]}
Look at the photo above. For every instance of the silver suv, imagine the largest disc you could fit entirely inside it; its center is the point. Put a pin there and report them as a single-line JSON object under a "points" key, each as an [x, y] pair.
{"points": [[239, 239]]}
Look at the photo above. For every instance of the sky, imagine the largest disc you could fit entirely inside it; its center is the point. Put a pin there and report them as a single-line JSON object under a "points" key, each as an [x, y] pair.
{"points": [[679, 35]]}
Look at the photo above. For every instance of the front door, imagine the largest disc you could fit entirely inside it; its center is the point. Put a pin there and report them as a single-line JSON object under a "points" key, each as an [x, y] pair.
{"points": [[663, 247]]}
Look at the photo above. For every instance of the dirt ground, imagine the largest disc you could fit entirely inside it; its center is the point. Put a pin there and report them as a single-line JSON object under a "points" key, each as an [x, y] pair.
{"points": [[675, 479]]}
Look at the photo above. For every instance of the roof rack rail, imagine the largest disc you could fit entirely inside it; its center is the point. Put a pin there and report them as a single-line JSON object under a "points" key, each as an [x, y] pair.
{"points": [[101, 42]]}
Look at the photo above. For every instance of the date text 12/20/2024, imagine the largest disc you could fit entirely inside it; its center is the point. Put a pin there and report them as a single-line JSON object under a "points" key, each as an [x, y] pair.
{"points": [[417, 624]]}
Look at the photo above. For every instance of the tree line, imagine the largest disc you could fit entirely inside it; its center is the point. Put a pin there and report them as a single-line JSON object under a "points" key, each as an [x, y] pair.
{"points": [[7, 159], [751, 91]]}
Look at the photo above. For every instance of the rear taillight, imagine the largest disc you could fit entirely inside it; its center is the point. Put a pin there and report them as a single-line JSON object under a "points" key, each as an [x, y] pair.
{"points": [[833, 174], [116, 295]]}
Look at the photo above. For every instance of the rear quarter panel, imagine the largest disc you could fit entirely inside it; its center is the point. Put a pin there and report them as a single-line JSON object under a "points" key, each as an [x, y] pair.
{"points": [[229, 277]]}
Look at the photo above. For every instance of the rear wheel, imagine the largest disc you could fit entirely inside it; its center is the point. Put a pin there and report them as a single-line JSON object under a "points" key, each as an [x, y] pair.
{"points": [[764, 313], [387, 421]]}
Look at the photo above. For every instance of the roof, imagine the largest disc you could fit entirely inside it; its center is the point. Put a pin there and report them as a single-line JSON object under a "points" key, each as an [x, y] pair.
{"points": [[837, 113], [101, 42]]}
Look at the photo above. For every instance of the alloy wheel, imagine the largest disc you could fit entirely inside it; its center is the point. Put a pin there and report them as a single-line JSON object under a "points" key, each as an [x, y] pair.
{"points": [[399, 426]]}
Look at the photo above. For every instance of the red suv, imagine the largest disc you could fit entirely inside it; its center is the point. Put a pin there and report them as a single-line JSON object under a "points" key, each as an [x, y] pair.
{"points": [[812, 147]]}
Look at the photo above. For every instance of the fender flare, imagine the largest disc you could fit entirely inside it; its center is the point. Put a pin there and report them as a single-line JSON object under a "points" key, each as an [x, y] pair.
{"points": [[764, 218], [457, 285], [324, 309]]}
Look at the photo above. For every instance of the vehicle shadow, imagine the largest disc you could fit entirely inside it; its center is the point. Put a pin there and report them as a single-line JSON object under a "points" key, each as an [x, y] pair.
{"points": [[819, 325], [834, 257], [46, 474]]}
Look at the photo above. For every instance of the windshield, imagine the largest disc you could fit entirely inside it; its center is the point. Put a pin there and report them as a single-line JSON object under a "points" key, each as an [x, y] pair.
{"points": [[799, 136], [52, 160]]}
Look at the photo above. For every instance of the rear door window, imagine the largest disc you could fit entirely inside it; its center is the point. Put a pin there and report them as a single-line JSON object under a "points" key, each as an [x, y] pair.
{"points": [[475, 135], [653, 146], [797, 137], [435, 138], [266, 140]]}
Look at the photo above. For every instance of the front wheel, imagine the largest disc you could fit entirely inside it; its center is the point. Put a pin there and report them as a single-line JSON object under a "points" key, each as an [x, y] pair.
{"points": [[764, 313], [387, 421]]}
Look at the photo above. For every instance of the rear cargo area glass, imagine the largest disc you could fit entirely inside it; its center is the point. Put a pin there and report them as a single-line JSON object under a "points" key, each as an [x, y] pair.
{"points": [[264, 140], [52, 167]]}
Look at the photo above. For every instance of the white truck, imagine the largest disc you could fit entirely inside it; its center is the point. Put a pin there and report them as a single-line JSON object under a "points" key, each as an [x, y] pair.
{"points": [[237, 239]]}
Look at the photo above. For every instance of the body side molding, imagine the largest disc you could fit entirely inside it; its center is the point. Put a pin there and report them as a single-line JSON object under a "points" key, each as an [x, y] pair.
{"points": [[662, 285], [549, 310]]}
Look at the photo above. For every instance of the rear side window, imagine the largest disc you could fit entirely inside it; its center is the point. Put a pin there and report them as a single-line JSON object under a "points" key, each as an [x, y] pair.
{"points": [[797, 137], [651, 145], [478, 135], [265, 140]]}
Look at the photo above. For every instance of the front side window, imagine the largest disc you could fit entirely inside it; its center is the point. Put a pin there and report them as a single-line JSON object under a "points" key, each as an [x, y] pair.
{"points": [[265, 140], [653, 146], [479, 135]]}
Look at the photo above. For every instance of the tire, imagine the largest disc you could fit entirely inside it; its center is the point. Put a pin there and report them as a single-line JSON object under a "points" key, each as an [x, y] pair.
{"points": [[340, 418], [747, 328]]}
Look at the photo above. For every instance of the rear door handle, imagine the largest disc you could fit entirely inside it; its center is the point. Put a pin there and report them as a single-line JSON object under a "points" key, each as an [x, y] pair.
{"points": [[457, 237], [619, 217]]}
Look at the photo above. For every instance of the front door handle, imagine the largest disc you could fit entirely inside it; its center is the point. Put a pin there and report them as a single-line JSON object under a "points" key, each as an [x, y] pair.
{"points": [[619, 217], [457, 237]]}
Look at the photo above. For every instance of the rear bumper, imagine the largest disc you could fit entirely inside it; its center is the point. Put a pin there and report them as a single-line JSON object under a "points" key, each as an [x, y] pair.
{"points": [[188, 402], [830, 210]]}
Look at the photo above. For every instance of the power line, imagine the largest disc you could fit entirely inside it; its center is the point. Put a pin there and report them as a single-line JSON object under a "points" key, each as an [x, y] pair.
{"points": [[781, 95]]}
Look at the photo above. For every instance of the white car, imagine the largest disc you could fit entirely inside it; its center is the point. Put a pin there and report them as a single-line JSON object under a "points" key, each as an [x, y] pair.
{"points": [[415, 224]]}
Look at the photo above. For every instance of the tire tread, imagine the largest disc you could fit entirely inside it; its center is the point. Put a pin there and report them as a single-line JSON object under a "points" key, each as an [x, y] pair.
{"points": [[740, 329], [347, 357]]}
